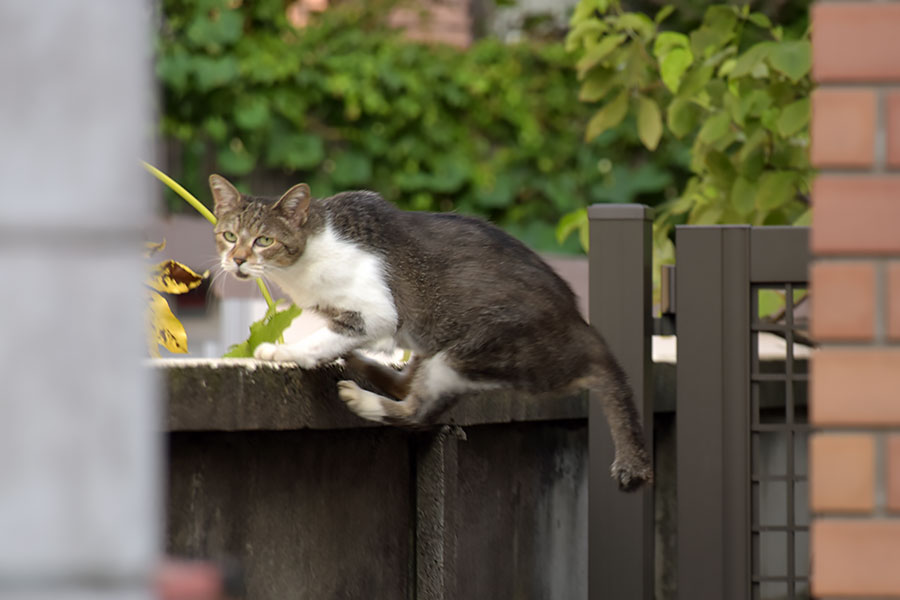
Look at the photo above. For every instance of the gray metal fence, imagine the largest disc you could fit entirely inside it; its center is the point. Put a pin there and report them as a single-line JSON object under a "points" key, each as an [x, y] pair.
{"points": [[741, 427]]}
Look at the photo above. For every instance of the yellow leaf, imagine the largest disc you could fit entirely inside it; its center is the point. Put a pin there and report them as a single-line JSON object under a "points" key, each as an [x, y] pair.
{"points": [[166, 329], [151, 248], [174, 278]]}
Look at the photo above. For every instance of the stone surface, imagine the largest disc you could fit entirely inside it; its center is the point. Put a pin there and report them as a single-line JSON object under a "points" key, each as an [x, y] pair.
{"points": [[244, 394]]}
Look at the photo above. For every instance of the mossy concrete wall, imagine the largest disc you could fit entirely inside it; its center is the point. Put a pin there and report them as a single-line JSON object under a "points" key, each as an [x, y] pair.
{"points": [[268, 468]]}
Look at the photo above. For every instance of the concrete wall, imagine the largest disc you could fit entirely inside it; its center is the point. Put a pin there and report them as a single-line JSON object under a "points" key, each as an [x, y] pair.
{"points": [[79, 504], [267, 467]]}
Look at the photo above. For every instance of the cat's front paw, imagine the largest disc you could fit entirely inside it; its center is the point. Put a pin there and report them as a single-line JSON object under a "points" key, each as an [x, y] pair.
{"points": [[284, 353], [265, 351]]}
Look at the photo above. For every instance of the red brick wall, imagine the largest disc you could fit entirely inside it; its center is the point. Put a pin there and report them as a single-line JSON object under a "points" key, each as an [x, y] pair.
{"points": [[855, 283]]}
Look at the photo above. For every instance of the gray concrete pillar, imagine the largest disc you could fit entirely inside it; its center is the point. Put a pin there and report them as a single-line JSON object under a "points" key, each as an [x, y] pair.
{"points": [[79, 449]]}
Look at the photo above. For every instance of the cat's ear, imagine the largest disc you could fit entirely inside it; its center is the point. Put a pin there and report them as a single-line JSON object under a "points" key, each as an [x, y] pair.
{"points": [[294, 204], [226, 195]]}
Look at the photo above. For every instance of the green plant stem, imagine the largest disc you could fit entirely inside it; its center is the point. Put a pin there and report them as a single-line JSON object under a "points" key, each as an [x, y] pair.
{"points": [[176, 187]]}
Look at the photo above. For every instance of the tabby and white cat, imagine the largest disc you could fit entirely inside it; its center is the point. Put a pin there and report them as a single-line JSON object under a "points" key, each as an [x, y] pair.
{"points": [[477, 308]]}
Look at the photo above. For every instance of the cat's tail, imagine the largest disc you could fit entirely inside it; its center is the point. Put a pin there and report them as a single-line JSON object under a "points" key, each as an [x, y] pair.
{"points": [[632, 467]]}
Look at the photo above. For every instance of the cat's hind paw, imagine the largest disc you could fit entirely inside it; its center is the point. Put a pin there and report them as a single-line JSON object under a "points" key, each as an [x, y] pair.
{"points": [[630, 475], [365, 404]]}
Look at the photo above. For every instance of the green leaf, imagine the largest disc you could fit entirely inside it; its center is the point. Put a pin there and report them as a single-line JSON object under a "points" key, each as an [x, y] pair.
{"points": [[681, 116], [637, 22], [649, 122], [352, 169], [594, 55], [575, 220], [235, 160], [598, 84], [668, 40], [760, 20], [610, 115], [673, 66], [775, 189], [743, 195], [295, 151], [716, 127], [267, 330], [720, 167], [664, 12], [793, 59], [793, 118], [252, 112], [747, 61]]}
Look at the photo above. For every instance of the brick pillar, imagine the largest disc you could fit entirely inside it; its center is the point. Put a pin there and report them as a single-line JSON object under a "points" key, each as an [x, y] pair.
{"points": [[855, 282]]}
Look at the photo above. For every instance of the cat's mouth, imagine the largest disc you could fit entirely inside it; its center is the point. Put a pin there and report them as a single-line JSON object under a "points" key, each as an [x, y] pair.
{"points": [[241, 275]]}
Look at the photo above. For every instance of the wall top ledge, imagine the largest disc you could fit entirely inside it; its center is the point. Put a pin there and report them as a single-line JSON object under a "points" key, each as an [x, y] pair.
{"points": [[249, 395]]}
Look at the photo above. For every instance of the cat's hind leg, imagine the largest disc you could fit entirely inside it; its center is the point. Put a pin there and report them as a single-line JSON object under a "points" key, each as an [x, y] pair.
{"points": [[434, 387], [389, 380]]}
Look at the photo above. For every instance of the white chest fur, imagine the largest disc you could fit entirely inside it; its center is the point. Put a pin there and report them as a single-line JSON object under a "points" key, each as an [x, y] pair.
{"points": [[337, 274]]}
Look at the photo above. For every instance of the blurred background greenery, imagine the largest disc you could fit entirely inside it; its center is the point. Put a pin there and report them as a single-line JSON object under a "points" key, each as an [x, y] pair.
{"points": [[345, 100]]}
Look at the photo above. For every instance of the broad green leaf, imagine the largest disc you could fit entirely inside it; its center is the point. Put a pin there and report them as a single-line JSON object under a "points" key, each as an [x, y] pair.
{"points": [[747, 61], [252, 112], [267, 330], [760, 20], [769, 302], [720, 167], [715, 127], [743, 195], [235, 160], [681, 116], [610, 115], [174, 278], [805, 219], [598, 84], [295, 150], [793, 118], [667, 40], [649, 122], [571, 222], [637, 22], [164, 329], [596, 54], [673, 66], [584, 30], [664, 12], [793, 59], [775, 189], [352, 169]]}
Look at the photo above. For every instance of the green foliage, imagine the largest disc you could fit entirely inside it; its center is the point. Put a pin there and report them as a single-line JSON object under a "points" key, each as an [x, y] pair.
{"points": [[268, 329], [734, 87], [495, 130]]}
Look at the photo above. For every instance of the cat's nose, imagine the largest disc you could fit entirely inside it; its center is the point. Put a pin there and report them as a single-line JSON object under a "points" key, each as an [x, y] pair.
{"points": [[239, 261]]}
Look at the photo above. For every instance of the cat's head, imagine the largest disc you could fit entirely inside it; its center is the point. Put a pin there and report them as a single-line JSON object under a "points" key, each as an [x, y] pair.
{"points": [[256, 235]]}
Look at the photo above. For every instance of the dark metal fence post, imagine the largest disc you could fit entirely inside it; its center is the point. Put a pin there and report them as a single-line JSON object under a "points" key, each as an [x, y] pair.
{"points": [[620, 539], [713, 414]]}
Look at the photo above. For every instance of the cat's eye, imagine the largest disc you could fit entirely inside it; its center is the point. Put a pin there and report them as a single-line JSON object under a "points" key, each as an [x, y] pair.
{"points": [[229, 236], [263, 241]]}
